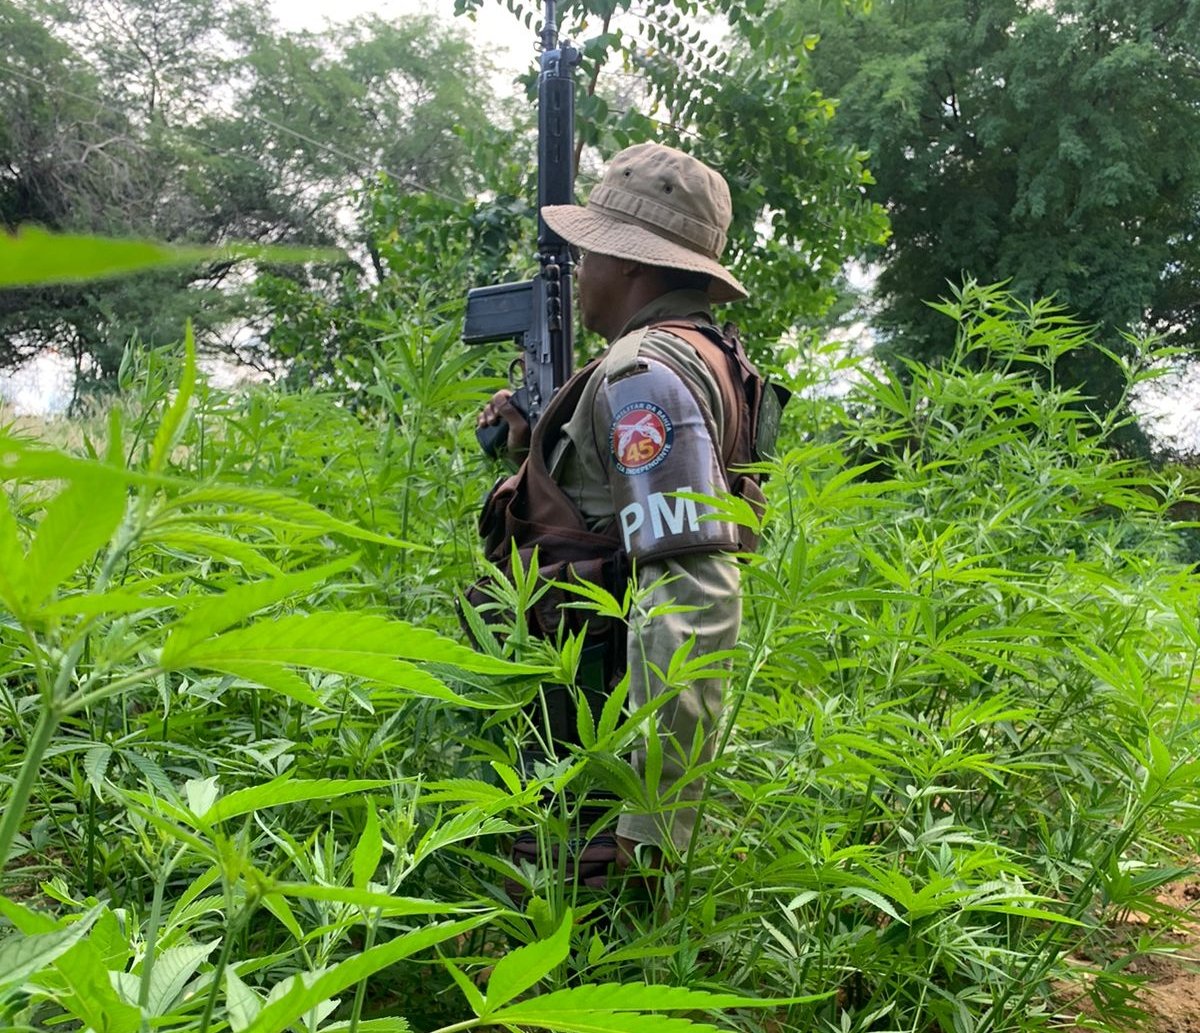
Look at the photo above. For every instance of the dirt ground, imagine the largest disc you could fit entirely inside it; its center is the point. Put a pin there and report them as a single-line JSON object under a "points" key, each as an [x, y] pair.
{"points": [[1171, 994], [1173, 997]]}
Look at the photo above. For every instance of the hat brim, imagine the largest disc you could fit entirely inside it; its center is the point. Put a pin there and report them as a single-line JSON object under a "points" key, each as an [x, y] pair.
{"points": [[596, 231]]}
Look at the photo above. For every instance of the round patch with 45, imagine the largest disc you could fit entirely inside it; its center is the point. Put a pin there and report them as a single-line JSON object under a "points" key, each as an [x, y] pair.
{"points": [[641, 437]]}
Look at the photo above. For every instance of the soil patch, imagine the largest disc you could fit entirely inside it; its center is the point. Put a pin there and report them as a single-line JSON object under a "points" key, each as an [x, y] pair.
{"points": [[1172, 999]]}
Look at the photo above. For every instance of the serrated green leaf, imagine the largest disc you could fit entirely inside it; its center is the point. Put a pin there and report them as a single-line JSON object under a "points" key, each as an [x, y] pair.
{"points": [[593, 1021], [126, 985], [171, 972], [875, 898], [21, 955], [190, 895], [393, 1025], [387, 905], [605, 1008], [209, 615], [242, 1004], [300, 999], [1020, 911], [277, 679], [467, 825], [95, 766], [153, 773], [206, 545], [368, 852], [522, 968], [286, 789], [78, 522], [297, 511], [355, 644]]}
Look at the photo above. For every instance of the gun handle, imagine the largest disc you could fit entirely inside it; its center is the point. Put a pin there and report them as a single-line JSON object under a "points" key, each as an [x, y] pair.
{"points": [[492, 439]]}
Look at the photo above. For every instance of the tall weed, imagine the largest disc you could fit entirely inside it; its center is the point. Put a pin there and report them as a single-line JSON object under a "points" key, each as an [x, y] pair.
{"points": [[255, 781]]}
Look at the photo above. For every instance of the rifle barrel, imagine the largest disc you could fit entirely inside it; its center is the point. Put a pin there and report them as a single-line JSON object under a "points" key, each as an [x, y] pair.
{"points": [[549, 28]]}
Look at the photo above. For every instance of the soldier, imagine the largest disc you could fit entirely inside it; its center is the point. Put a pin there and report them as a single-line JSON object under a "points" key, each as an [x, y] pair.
{"points": [[670, 406]]}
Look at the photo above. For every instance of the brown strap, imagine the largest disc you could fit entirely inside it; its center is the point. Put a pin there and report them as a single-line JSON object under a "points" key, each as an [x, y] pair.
{"points": [[733, 400], [548, 505]]}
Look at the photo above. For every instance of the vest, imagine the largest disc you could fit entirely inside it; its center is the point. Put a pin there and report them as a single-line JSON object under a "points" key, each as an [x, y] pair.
{"points": [[530, 512]]}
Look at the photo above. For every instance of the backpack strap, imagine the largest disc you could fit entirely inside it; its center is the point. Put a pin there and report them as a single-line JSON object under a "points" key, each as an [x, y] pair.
{"points": [[727, 361]]}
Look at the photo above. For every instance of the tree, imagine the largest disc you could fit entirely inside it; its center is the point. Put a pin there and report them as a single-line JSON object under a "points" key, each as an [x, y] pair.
{"points": [[109, 122], [1053, 144], [729, 81], [68, 159]]}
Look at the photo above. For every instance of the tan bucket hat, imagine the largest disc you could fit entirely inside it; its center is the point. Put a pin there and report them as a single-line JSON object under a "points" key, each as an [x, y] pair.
{"points": [[657, 206]]}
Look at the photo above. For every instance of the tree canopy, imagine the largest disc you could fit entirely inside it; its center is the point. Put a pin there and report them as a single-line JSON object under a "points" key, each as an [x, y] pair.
{"points": [[1054, 144], [730, 82], [204, 122]]}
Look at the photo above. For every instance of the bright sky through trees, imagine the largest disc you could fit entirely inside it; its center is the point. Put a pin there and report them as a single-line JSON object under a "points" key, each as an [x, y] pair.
{"points": [[510, 42]]}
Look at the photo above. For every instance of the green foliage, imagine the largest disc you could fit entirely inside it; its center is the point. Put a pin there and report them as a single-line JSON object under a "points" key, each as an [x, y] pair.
{"points": [[428, 251], [959, 738], [748, 106], [1050, 145], [108, 127], [253, 780]]}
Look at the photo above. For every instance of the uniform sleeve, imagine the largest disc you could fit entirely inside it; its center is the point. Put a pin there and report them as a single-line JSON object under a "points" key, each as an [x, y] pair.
{"points": [[659, 441], [710, 583]]}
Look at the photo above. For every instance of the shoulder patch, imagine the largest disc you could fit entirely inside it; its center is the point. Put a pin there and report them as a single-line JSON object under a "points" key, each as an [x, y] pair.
{"points": [[640, 437]]}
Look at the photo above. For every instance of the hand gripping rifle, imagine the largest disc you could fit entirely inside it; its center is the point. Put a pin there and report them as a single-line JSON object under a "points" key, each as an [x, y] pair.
{"points": [[537, 314]]}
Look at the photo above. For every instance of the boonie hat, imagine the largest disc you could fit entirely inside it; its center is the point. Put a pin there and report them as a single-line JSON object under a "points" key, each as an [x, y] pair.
{"points": [[658, 206]]}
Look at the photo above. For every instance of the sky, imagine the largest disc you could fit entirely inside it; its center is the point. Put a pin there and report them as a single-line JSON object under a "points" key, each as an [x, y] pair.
{"points": [[512, 44]]}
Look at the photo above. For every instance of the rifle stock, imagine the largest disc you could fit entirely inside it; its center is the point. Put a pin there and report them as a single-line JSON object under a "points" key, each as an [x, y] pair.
{"points": [[537, 313]]}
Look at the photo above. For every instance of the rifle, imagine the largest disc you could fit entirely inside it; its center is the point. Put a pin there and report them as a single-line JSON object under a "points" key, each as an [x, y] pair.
{"points": [[537, 313]]}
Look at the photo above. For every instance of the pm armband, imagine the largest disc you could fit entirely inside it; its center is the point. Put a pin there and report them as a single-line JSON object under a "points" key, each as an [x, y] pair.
{"points": [[659, 445]]}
